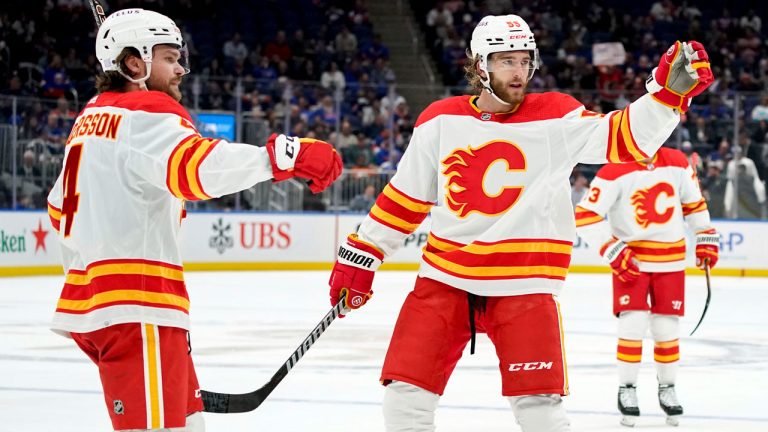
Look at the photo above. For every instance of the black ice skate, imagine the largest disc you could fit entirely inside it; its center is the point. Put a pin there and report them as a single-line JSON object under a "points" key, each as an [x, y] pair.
{"points": [[628, 405], [670, 405]]}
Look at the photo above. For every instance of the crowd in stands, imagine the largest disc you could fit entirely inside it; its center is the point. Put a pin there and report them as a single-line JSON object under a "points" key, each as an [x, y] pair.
{"points": [[727, 126], [256, 56], [317, 68]]}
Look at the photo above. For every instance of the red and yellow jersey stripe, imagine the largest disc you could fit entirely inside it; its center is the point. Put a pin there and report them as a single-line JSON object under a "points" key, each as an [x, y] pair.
{"points": [[505, 259], [667, 352], [183, 177], [630, 351], [55, 215], [134, 282], [622, 146], [399, 211], [694, 207], [586, 217], [659, 252]]}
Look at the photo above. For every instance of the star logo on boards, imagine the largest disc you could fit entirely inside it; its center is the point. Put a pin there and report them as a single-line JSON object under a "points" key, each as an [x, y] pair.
{"points": [[40, 235]]}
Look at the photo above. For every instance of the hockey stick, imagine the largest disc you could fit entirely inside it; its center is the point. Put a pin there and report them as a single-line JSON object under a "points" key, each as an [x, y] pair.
{"points": [[238, 403], [709, 296], [98, 12]]}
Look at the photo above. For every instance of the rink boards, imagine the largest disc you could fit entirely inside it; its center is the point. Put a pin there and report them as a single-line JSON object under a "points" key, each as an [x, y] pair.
{"points": [[308, 241]]}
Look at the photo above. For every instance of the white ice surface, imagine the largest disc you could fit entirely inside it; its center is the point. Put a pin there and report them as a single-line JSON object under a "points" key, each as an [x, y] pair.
{"points": [[245, 324]]}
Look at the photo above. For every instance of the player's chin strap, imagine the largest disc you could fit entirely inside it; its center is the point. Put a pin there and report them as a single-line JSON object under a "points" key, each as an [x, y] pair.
{"points": [[142, 82], [487, 86]]}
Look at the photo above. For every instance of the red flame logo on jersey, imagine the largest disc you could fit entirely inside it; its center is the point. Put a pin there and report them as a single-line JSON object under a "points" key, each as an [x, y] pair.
{"points": [[466, 171], [644, 202]]}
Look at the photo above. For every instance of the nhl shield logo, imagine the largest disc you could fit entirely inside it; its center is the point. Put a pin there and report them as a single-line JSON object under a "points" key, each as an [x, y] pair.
{"points": [[118, 407], [485, 116]]}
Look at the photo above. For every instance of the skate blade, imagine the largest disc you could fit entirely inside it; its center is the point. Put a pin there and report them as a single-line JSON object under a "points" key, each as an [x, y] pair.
{"points": [[673, 420], [628, 421]]}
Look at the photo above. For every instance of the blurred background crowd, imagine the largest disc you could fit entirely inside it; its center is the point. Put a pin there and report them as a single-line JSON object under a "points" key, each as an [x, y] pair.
{"points": [[357, 73]]}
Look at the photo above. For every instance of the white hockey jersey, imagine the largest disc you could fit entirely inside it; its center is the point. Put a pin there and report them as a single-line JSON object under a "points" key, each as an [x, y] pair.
{"points": [[645, 205], [497, 187], [131, 160]]}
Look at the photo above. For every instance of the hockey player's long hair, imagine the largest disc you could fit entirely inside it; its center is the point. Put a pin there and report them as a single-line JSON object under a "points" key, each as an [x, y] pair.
{"points": [[112, 80], [470, 72]]}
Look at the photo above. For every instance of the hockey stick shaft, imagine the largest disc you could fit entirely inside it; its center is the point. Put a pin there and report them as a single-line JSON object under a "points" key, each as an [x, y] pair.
{"points": [[709, 296], [98, 12], [237, 403]]}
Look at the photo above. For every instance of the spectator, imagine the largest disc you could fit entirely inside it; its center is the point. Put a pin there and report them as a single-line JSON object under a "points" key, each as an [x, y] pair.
{"points": [[307, 71], [760, 132], [694, 160], [751, 20], [760, 112], [333, 78], [235, 49], [701, 132], [55, 81], [713, 188], [663, 10], [298, 48], [439, 19], [264, 72], [346, 44], [723, 153], [360, 156], [54, 135], [364, 201], [744, 192], [376, 49], [579, 189], [382, 75], [753, 152], [278, 49], [346, 139], [29, 169], [30, 190], [323, 114]]}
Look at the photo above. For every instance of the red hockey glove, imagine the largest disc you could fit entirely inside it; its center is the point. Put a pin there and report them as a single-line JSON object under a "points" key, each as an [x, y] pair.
{"points": [[311, 159], [622, 259], [353, 272], [707, 247], [683, 73]]}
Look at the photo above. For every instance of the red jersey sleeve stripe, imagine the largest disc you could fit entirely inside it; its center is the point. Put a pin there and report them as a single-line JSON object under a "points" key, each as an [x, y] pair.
{"points": [[182, 177], [193, 168], [694, 207], [586, 217], [407, 200], [399, 211], [396, 209], [622, 146], [55, 215]]}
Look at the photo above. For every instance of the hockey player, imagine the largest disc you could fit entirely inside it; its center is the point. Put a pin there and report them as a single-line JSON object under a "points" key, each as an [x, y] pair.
{"points": [[132, 159], [493, 171], [635, 214]]}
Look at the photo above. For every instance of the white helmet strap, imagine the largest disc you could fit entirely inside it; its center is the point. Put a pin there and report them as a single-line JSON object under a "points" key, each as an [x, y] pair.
{"points": [[486, 82], [142, 82]]}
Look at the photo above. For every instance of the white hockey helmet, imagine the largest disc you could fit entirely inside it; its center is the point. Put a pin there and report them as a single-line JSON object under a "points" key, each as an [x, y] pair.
{"points": [[498, 34], [139, 29]]}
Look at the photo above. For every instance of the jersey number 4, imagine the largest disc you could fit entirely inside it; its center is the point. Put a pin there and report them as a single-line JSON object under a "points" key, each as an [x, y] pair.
{"points": [[71, 198]]}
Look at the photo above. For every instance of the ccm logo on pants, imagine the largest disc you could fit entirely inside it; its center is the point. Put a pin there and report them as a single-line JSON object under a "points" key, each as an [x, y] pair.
{"points": [[530, 366]]}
